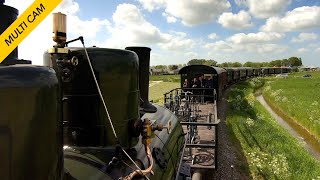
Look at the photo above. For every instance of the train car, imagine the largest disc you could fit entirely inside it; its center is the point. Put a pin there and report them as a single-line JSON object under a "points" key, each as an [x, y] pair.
{"points": [[277, 70], [218, 76], [249, 72], [230, 75], [256, 72], [242, 72], [236, 75], [265, 71], [272, 70]]}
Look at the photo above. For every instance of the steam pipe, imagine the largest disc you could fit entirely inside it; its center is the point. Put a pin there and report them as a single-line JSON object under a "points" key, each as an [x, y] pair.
{"points": [[144, 63], [142, 172]]}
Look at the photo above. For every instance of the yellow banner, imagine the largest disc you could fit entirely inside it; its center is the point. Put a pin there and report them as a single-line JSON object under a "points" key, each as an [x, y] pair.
{"points": [[24, 25]]}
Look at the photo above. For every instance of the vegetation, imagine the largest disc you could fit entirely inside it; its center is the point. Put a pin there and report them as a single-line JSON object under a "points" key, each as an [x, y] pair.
{"points": [[230, 64], [156, 91], [202, 62], [298, 98], [165, 78], [292, 61], [271, 152]]}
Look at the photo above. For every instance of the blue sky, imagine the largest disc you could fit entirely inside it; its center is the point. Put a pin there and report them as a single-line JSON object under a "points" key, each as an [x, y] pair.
{"points": [[180, 30]]}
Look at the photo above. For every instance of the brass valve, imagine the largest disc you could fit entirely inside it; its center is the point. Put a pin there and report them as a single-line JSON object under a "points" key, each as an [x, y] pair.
{"points": [[149, 129]]}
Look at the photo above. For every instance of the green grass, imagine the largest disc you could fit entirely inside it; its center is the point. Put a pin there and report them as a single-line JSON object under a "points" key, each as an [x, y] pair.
{"points": [[271, 152], [165, 78], [156, 91], [298, 98]]}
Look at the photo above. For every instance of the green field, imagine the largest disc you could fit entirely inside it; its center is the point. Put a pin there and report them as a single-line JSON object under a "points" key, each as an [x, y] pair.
{"points": [[165, 78], [158, 89], [298, 98], [271, 152]]}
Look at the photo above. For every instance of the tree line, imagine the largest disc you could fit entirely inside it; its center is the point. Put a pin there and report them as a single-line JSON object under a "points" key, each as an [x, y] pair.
{"points": [[292, 61]]}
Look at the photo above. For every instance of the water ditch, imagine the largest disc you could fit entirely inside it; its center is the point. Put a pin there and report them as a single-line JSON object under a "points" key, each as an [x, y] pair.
{"points": [[309, 142]]}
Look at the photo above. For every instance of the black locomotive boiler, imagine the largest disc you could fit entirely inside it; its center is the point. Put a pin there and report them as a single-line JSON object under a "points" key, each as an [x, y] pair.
{"points": [[85, 114]]}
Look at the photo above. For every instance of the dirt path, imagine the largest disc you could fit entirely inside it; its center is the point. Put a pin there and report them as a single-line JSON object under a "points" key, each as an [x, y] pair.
{"points": [[231, 162]]}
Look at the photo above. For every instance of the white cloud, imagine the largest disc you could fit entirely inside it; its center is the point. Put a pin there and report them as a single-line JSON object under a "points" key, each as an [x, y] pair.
{"points": [[190, 12], [151, 5], [260, 37], [130, 28], [213, 36], [177, 43], [305, 37], [219, 45], [253, 42], [170, 19], [301, 18], [235, 21], [191, 54], [266, 8], [302, 50]]}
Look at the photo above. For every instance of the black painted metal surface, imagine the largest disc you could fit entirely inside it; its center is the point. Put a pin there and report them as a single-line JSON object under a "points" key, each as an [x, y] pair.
{"points": [[85, 120], [30, 123], [7, 16]]}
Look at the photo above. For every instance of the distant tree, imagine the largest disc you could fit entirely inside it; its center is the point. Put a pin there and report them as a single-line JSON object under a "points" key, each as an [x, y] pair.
{"points": [[225, 64], [249, 64], [236, 64], [196, 61], [202, 62], [210, 63], [294, 61], [285, 62], [276, 63], [163, 67], [173, 67]]}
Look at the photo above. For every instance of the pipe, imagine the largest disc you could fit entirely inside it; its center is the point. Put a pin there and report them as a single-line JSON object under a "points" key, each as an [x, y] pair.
{"points": [[144, 63], [142, 172]]}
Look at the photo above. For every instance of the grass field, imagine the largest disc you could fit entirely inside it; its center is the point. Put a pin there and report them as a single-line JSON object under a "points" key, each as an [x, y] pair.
{"points": [[298, 98], [165, 78], [156, 91], [271, 152]]}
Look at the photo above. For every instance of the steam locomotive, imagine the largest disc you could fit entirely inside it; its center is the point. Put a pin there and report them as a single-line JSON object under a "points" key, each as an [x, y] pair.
{"points": [[85, 113]]}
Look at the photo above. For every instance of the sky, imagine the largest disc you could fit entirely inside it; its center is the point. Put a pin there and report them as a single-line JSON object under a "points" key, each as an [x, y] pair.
{"points": [[180, 30]]}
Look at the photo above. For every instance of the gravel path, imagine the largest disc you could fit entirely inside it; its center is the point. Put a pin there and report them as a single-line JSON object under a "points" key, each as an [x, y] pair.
{"points": [[231, 162]]}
